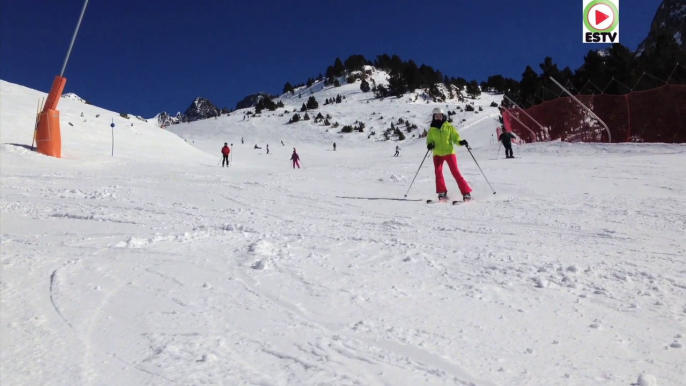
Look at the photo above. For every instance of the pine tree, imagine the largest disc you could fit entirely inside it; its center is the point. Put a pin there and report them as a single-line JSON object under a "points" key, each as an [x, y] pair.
{"points": [[338, 98], [336, 83], [288, 88], [338, 68], [397, 85], [473, 89], [306, 117], [312, 103], [303, 108], [364, 86]]}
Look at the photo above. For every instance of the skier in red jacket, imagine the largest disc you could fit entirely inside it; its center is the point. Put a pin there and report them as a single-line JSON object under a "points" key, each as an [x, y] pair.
{"points": [[295, 158], [225, 153]]}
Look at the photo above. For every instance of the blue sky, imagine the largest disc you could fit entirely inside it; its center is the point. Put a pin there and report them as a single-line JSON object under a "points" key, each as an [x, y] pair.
{"points": [[143, 57]]}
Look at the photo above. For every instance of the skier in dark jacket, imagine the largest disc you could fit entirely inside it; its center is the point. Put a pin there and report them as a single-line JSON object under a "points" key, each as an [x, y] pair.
{"points": [[225, 154], [295, 158], [397, 151], [506, 138]]}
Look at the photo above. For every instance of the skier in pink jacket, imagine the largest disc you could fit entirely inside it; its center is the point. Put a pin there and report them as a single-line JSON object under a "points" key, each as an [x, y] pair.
{"points": [[295, 158]]}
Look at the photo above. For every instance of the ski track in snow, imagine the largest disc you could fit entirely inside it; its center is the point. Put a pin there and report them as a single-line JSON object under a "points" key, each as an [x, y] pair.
{"points": [[157, 269]]}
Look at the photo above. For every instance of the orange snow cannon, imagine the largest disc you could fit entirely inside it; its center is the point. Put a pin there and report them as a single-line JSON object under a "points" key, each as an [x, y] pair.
{"points": [[48, 135]]}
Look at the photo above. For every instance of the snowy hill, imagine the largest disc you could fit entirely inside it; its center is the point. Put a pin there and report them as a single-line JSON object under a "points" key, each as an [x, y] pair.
{"points": [[669, 19], [86, 132], [271, 127], [159, 267], [74, 97]]}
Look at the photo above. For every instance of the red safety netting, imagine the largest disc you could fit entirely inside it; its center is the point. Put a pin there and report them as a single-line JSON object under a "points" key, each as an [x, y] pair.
{"points": [[657, 115]]}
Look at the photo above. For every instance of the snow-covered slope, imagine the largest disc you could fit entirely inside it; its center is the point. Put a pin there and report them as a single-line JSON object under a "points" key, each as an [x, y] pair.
{"points": [[158, 267], [271, 127], [86, 132]]}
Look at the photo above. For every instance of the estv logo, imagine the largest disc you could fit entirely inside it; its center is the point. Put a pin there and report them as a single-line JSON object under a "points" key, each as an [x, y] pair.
{"points": [[601, 21]]}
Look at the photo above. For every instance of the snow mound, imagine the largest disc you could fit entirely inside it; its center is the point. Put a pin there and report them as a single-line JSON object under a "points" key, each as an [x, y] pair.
{"points": [[646, 380], [394, 178]]}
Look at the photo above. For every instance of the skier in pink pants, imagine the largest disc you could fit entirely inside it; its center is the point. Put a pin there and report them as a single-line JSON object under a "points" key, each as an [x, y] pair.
{"points": [[441, 137]]}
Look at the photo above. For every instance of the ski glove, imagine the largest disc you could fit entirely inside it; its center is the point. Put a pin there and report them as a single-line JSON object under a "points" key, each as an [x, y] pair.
{"points": [[464, 143], [430, 146]]}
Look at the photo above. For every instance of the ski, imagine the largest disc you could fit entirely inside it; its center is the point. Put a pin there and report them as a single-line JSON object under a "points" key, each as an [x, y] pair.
{"points": [[379, 198], [446, 201]]}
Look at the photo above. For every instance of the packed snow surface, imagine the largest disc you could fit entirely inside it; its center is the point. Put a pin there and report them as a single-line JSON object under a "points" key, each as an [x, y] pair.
{"points": [[156, 266]]}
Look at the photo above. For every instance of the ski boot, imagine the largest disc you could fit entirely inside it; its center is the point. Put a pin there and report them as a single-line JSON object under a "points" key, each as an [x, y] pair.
{"points": [[466, 197], [443, 196]]}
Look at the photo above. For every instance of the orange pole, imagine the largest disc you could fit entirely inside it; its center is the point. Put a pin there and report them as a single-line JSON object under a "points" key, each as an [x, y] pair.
{"points": [[48, 134]]}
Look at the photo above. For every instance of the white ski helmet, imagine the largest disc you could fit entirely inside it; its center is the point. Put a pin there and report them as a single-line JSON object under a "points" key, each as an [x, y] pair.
{"points": [[437, 110]]}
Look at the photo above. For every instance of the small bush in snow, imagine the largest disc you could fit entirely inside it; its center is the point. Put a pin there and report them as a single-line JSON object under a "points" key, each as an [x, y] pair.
{"points": [[364, 86], [493, 104], [124, 115], [347, 129], [469, 108], [295, 118], [306, 117]]}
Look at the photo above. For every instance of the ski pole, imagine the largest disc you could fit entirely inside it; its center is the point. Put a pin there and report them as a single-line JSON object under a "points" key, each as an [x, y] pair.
{"points": [[420, 168], [498, 155], [469, 149]]}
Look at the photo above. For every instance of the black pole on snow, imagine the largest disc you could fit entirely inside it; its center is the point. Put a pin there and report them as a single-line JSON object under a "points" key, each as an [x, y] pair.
{"points": [[415, 175], [469, 149]]}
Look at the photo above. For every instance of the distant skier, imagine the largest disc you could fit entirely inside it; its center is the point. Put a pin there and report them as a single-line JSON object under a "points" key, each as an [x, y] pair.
{"points": [[397, 151], [267, 149], [242, 141], [296, 159], [441, 137], [225, 154], [506, 138], [257, 147], [283, 144], [334, 146]]}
